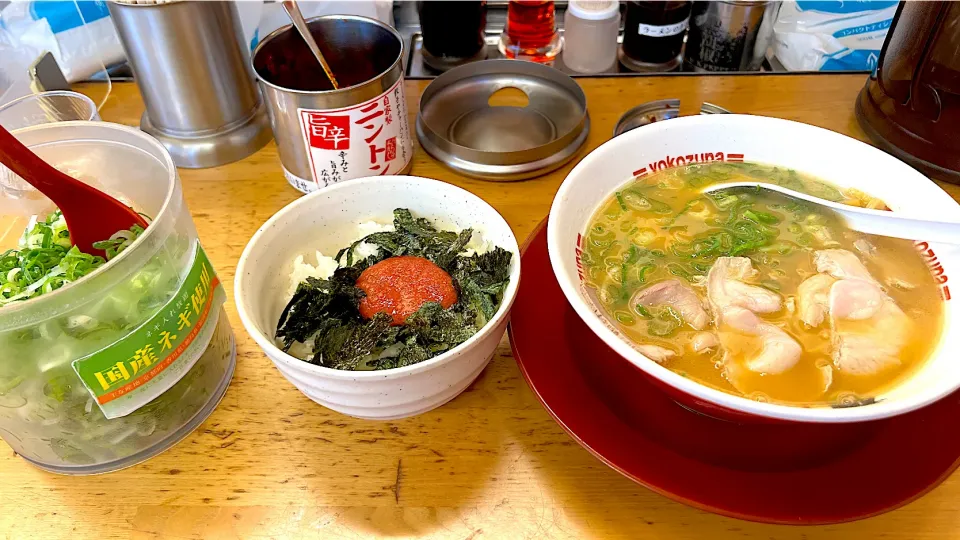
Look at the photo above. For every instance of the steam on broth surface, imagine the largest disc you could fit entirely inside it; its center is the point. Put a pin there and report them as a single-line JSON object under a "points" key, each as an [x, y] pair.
{"points": [[756, 294]]}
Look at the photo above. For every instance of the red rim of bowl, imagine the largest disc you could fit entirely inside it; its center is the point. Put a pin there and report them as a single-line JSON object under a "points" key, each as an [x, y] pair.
{"points": [[538, 235]]}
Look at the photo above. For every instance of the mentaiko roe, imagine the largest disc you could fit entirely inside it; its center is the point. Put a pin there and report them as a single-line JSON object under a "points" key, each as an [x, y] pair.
{"points": [[399, 286]]}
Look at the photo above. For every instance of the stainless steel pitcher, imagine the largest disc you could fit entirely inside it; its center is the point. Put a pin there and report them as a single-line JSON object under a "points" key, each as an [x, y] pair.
{"points": [[193, 71]]}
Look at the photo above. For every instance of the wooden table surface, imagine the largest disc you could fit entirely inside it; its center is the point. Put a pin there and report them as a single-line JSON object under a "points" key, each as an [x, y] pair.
{"points": [[271, 463]]}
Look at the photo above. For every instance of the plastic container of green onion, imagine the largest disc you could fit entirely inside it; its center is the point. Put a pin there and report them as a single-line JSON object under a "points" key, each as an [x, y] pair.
{"points": [[105, 363]]}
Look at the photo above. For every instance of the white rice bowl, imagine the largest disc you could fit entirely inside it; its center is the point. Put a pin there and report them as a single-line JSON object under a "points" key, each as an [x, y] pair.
{"points": [[331, 219]]}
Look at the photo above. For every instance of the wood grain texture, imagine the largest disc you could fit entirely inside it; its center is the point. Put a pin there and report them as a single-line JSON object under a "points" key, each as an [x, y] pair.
{"points": [[490, 464]]}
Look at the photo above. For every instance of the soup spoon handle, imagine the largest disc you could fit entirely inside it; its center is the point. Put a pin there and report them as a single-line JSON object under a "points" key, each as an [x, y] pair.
{"points": [[866, 220]]}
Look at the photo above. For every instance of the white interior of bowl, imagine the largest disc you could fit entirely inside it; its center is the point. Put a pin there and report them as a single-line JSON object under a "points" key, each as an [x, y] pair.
{"points": [[326, 221], [824, 154]]}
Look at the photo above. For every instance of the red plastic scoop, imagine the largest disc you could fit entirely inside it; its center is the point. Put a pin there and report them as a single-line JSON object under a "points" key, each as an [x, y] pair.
{"points": [[91, 214]]}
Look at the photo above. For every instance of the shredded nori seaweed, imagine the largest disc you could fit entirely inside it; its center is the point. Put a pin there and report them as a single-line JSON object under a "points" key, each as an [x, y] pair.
{"points": [[326, 311]]}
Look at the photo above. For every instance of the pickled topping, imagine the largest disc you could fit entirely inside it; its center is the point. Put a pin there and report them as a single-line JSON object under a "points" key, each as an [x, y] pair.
{"points": [[399, 286]]}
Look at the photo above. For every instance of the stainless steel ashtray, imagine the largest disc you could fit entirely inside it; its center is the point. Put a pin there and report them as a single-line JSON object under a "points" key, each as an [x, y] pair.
{"points": [[657, 111], [462, 126]]}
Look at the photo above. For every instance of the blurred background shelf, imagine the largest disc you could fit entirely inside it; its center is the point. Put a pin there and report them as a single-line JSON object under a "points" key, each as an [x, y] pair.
{"points": [[407, 22]]}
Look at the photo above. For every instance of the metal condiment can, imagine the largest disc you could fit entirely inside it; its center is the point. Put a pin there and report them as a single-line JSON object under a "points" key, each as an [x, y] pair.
{"points": [[724, 36], [325, 136]]}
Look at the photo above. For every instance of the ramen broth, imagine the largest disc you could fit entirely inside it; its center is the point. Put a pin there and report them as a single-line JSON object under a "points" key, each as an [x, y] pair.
{"points": [[662, 231]]}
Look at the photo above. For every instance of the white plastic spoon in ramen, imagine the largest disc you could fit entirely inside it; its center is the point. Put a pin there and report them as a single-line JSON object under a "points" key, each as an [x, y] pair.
{"points": [[879, 222]]}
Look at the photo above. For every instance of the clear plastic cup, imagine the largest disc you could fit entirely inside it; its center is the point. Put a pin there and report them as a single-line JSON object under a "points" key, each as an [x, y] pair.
{"points": [[32, 110], [45, 108], [46, 414]]}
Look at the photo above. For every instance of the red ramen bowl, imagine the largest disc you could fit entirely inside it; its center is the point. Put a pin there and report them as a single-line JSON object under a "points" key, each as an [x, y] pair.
{"points": [[823, 154]]}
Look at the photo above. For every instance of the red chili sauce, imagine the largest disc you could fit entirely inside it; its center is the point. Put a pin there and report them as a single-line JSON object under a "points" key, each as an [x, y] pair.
{"points": [[398, 286]]}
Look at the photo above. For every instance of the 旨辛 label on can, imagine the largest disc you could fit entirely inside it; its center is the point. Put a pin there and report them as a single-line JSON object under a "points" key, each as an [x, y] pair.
{"points": [[368, 139]]}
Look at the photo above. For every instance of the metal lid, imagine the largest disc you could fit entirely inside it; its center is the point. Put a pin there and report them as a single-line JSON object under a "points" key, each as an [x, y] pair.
{"points": [[594, 10], [458, 126], [657, 111]]}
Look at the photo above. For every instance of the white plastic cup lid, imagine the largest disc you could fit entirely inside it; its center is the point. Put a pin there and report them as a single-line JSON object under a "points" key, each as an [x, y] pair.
{"points": [[594, 10]]}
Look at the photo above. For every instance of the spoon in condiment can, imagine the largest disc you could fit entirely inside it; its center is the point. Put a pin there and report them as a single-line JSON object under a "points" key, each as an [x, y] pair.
{"points": [[91, 215], [293, 11], [867, 220]]}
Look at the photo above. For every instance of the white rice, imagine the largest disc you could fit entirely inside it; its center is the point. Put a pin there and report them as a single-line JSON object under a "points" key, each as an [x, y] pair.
{"points": [[302, 270], [477, 245]]}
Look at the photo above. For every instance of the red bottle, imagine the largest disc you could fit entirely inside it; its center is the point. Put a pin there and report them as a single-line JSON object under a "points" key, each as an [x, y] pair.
{"points": [[531, 31]]}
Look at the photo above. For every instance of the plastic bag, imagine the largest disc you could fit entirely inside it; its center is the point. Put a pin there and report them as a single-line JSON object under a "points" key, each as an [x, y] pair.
{"points": [[831, 36], [15, 61], [250, 12], [79, 34]]}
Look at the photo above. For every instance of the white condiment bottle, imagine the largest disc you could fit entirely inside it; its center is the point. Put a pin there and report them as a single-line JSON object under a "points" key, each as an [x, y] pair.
{"points": [[590, 30]]}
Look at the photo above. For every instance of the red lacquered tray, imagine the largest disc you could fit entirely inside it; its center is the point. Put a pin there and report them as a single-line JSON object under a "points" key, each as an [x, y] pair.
{"points": [[785, 473]]}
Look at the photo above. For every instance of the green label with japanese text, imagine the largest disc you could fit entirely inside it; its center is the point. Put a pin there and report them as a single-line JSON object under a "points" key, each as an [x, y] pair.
{"points": [[136, 369]]}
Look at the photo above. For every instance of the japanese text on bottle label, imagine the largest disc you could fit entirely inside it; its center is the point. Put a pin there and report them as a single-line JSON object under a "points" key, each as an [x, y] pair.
{"points": [[662, 31]]}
